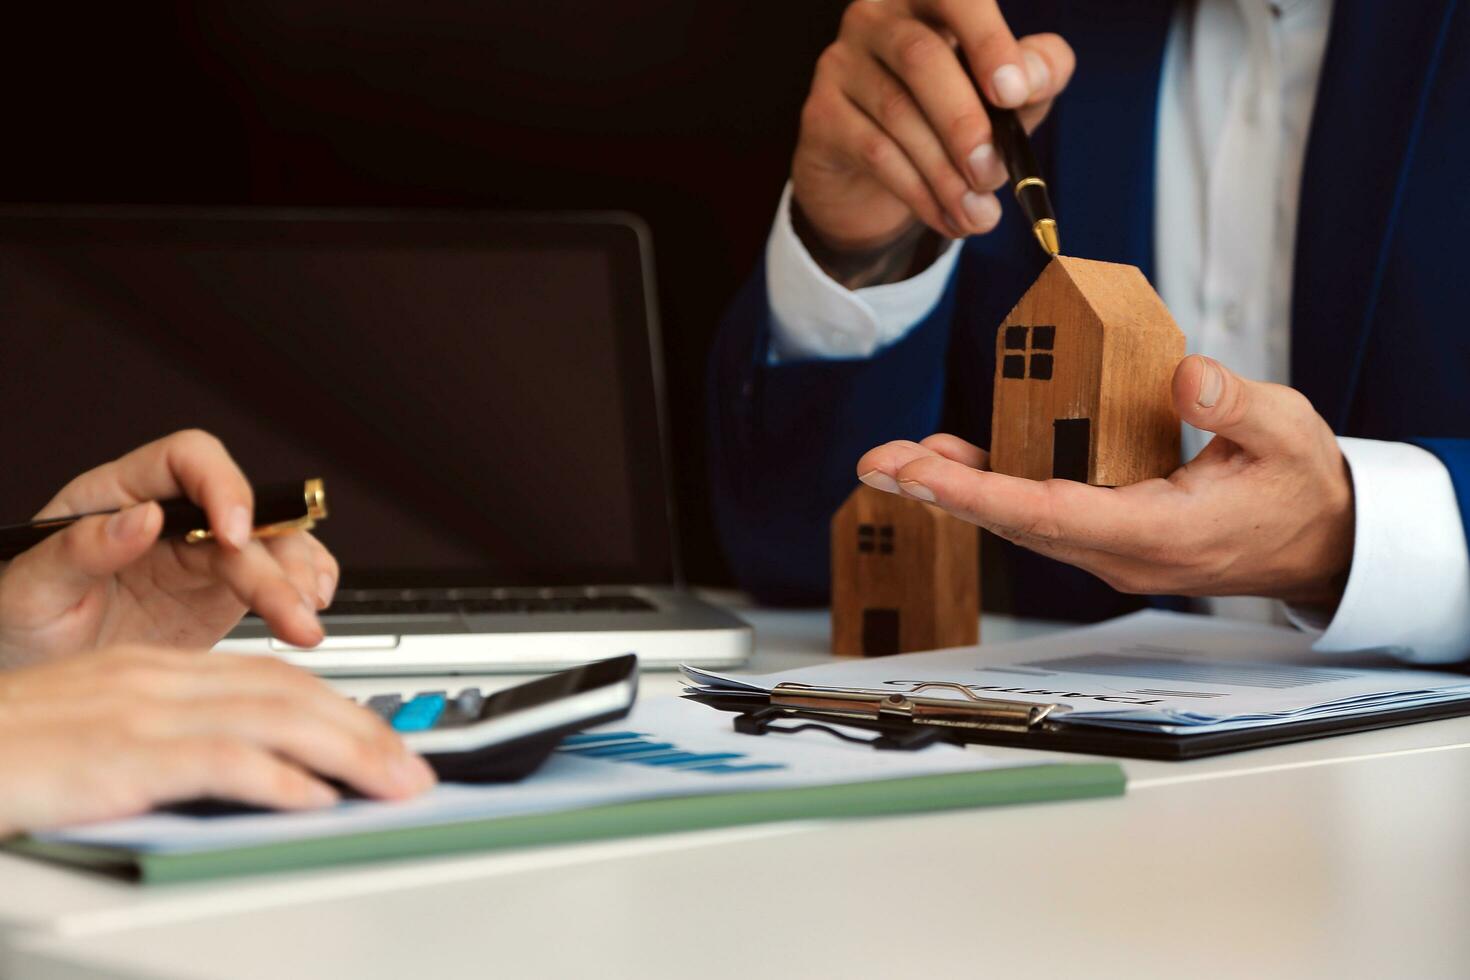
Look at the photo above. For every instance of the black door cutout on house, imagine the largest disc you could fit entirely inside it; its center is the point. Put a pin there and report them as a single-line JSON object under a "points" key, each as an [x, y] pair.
{"points": [[1071, 442], [880, 632]]}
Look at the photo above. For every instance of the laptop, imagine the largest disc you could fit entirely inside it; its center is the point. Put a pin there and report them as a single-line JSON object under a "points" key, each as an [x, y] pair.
{"points": [[482, 395]]}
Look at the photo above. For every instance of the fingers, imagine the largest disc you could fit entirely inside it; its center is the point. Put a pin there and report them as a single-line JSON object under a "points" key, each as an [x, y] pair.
{"points": [[1058, 511], [877, 153], [308, 565], [894, 127], [376, 764], [924, 73], [259, 581], [116, 732], [957, 449], [887, 101], [269, 703], [59, 571], [1050, 63], [1263, 419], [223, 675], [904, 74], [226, 768], [877, 466], [1052, 515], [994, 56], [177, 676], [191, 463], [285, 580]]}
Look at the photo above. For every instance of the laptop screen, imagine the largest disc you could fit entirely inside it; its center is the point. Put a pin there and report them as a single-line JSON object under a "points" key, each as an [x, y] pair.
{"points": [[478, 394]]}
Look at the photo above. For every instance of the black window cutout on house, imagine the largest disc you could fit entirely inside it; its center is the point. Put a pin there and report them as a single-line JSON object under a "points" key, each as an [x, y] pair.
{"points": [[875, 537], [1040, 365]]}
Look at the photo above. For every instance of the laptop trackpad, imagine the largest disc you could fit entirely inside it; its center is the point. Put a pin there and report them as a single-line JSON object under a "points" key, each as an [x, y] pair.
{"points": [[380, 641]]}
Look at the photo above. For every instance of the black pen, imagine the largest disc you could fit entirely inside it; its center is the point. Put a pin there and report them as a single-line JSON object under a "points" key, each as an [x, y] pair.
{"points": [[278, 510], [1011, 141]]}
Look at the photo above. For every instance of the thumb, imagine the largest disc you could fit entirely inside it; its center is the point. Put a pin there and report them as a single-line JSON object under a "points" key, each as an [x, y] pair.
{"points": [[66, 564], [1263, 419]]}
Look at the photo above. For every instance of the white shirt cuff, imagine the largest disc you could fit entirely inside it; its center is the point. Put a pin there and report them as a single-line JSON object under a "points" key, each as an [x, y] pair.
{"points": [[1408, 590], [814, 316]]}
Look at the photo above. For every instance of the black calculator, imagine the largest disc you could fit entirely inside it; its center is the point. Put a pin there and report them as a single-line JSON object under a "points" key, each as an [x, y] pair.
{"points": [[480, 738], [475, 737]]}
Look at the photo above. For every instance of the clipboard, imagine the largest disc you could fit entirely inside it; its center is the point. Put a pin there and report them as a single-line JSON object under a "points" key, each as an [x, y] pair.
{"points": [[1022, 724]]}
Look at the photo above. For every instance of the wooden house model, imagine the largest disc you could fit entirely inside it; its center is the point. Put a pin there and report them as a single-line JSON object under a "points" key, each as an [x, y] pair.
{"points": [[1083, 375], [905, 576]]}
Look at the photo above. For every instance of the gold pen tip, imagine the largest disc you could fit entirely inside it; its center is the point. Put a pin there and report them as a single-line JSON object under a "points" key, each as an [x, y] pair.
{"points": [[1046, 234]]}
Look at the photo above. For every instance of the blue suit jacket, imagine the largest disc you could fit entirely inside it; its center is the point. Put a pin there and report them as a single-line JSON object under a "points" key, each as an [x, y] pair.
{"points": [[1381, 299]]}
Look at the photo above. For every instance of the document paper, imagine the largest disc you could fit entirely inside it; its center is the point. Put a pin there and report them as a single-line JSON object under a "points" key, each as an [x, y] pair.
{"points": [[1151, 671], [667, 747]]}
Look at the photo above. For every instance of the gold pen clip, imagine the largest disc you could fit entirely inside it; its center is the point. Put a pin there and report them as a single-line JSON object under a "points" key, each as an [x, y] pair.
{"points": [[991, 714], [315, 499]]}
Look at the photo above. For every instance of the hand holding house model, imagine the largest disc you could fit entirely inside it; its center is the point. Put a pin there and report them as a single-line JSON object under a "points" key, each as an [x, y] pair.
{"points": [[1083, 366]]}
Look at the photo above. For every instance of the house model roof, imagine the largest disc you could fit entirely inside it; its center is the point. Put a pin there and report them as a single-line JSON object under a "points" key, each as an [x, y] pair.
{"points": [[1118, 294]]}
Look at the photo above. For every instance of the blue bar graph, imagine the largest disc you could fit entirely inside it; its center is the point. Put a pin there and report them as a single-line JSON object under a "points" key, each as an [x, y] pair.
{"points": [[588, 738], [638, 748], [689, 758], [622, 748]]}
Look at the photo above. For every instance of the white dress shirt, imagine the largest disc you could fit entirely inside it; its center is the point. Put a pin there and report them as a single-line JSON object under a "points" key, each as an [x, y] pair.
{"points": [[1239, 83]]}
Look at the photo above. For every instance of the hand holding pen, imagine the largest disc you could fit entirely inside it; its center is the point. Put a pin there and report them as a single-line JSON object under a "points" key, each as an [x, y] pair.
{"points": [[109, 578], [895, 139]]}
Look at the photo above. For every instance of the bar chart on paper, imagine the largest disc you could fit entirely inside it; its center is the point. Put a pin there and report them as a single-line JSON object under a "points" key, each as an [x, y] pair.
{"points": [[643, 750], [670, 766]]}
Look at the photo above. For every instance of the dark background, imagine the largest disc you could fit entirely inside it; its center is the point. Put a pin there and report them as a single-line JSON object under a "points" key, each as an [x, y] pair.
{"points": [[682, 111]]}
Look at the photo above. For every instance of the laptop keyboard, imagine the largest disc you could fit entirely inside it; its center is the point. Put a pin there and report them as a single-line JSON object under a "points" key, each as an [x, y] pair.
{"points": [[398, 605]]}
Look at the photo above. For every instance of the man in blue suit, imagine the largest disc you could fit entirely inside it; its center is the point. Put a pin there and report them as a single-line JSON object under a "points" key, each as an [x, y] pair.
{"points": [[1288, 174]]}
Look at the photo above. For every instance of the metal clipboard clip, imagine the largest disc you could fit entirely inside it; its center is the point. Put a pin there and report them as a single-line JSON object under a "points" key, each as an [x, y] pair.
{"points": [[906, 721], [973, 712]]}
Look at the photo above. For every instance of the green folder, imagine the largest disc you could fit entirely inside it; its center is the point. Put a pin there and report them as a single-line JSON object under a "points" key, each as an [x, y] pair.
{"points": [[915, 794]]}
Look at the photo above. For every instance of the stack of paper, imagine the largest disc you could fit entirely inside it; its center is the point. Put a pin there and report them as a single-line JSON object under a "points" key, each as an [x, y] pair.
{"points": [[1153, 672]]}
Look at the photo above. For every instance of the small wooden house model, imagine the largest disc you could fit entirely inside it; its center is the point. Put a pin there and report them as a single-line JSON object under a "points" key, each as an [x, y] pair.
{"points": [[1083, 375], [905, 576]]}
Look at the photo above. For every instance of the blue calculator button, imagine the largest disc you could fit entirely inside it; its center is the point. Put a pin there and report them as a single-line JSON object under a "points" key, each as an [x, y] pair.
{"points": [[419, 714]]}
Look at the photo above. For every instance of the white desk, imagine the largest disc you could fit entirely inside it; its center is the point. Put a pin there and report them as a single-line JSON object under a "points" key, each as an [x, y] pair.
{"points": [[1347, 856]]}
